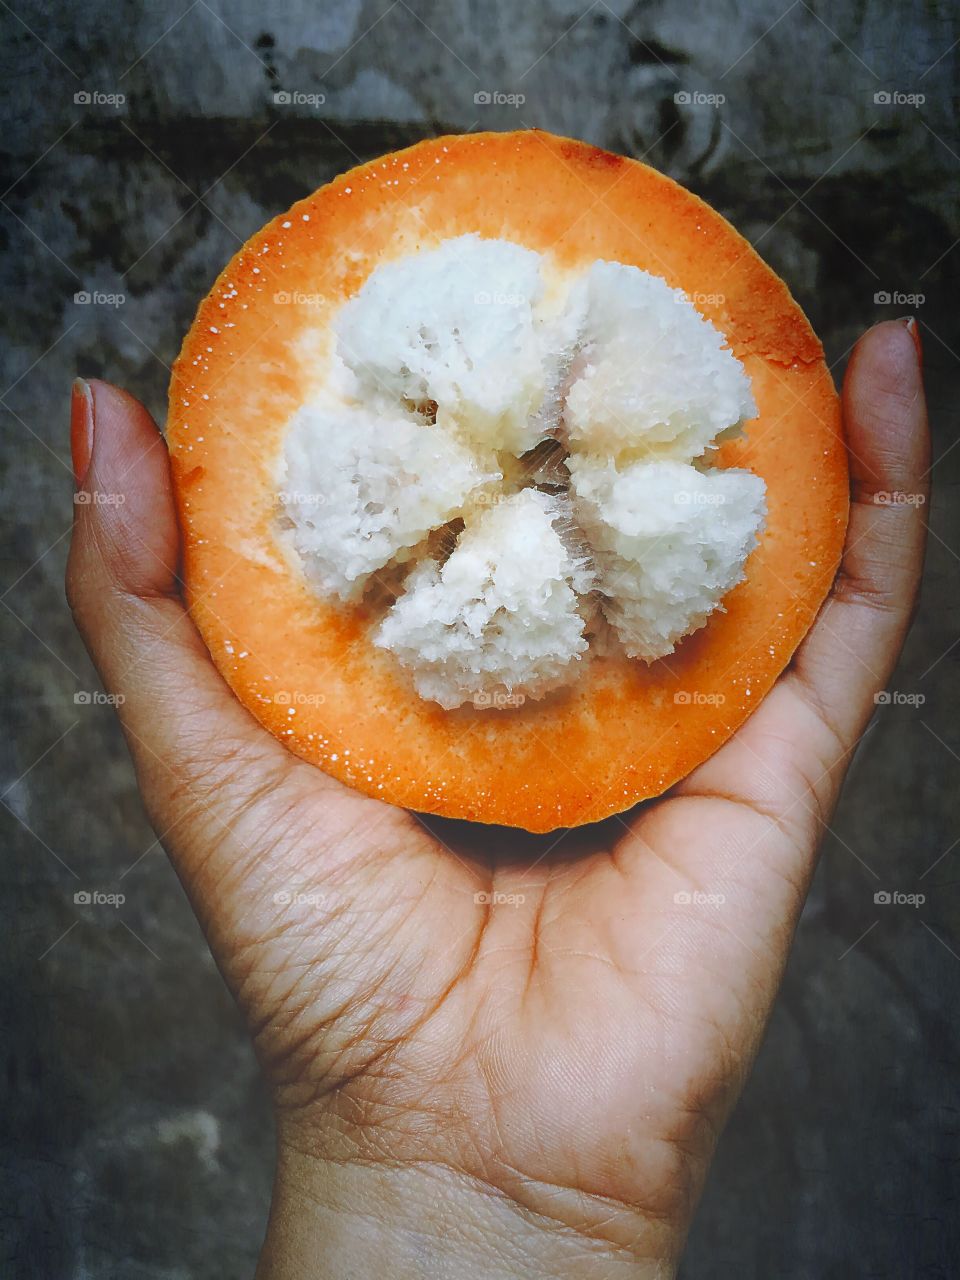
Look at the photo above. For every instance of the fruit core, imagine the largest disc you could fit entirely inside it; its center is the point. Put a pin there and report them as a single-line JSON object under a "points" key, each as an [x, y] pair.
{"points": [[508, 467]]}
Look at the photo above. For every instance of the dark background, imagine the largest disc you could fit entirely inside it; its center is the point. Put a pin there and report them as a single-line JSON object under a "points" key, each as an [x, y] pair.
{"points": [[137, 1140]]}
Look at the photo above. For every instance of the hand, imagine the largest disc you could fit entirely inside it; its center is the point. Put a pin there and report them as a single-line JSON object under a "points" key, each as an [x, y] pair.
{"points": [[534, 1086]]}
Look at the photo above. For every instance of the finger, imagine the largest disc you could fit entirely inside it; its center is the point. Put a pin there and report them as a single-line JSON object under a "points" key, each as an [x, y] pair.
{"points": [[790, 756], [851, 650], [195, 747]]}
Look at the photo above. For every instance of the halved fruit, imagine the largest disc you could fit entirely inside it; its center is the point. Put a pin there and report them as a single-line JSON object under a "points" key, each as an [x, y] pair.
{"points": [[448, 449]]}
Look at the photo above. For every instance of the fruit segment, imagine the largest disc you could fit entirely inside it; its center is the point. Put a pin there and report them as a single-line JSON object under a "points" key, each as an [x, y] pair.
{"points": [[670, 540], [361, 487], [499, 620]]}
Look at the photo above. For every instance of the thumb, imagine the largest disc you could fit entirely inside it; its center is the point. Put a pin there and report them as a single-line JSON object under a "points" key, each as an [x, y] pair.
{"points": [[195, 748], [850, 651]]}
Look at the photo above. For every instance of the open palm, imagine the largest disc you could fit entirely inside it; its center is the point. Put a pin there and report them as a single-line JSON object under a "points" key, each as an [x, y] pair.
{"points": [[556, 1024]]}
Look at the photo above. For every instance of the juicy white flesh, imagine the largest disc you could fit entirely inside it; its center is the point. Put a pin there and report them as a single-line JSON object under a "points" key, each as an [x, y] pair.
{"points": [[459, 359], [654, 374], [670, 542], [500, 616], [454, 325], [362, 487]]}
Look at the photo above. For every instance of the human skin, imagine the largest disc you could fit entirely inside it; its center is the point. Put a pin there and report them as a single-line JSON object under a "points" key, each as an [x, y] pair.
{"points": [[531, 1087]]}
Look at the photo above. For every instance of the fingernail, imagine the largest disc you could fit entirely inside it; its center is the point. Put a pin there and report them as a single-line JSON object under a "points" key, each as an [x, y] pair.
{"points": [[910, 323], [81, 428]]}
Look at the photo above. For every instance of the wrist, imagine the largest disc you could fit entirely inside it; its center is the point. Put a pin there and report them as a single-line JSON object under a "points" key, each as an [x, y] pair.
{"points": [[338, 1220]]}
